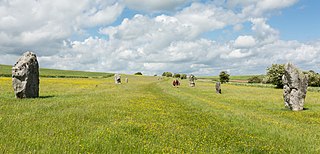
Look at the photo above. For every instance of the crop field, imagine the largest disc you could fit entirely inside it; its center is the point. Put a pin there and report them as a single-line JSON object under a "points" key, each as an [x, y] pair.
{"points": [[148, 115]]}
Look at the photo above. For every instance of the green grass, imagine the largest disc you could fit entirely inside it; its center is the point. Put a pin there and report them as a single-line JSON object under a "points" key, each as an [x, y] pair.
{"points": [[5, 71], [311, 89], [147, 115]]}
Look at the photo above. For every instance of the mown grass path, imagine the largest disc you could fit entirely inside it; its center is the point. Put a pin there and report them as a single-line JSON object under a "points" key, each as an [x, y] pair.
{"points": [[148, 115]]}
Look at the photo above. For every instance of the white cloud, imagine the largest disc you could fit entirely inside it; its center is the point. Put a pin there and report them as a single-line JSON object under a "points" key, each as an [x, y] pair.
{"points": [[155, 5], [207, 17], [43, 25], [150, 43], [150, 34], [244, 41], [264, 32], [274, 4], [258, 8], [238, 54], [100, 15], [201, 56]]}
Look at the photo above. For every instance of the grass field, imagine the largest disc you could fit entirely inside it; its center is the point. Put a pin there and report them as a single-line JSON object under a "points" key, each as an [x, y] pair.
{"points": [[5, 71], [147, 115]]}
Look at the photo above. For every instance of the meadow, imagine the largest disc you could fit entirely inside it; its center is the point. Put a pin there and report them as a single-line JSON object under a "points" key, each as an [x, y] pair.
{"points": [[5, 71], [148, 115]]}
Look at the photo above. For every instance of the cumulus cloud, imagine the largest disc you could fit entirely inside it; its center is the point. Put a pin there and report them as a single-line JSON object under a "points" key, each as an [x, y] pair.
{"points": [[103, 14], [200, 56], [245, 41], [257, 8], [150, 43], [207, 17], [264, 32], [155, 5], [43, 25]]}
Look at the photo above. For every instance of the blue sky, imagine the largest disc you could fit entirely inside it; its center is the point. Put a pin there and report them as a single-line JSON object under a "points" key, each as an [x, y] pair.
{"points": [[150, 36], [299, 22]]}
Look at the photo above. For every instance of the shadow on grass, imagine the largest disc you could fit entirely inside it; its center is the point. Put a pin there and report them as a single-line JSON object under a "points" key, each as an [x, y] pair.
{"points": [[286, 109], [48, 96]]}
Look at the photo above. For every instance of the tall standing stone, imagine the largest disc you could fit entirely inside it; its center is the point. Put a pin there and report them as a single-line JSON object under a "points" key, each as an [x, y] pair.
{"points": [[25, 76], [117, 78], [295, 85], [218, 87], [192, 81]]}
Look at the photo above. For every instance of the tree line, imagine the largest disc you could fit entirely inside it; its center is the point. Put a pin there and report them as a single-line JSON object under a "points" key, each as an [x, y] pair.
{"points": [[175, 75], [276, 71], [273, 76], [223, 77]]}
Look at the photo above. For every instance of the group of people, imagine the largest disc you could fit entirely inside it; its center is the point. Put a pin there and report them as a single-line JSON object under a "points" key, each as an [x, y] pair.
{"points": [[176, 83]]}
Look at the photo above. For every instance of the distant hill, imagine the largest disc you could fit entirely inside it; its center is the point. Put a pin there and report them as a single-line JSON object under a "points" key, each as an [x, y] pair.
{"points": [[5, 71]]}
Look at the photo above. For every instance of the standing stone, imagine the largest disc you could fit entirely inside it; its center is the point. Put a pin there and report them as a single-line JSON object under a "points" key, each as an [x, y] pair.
{"points": [[25, 76], [218, 87], [117, 78], [295, 85], [192, 81], [127, 80]]}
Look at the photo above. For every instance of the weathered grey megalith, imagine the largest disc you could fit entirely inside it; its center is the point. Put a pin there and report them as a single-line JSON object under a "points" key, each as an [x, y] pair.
{"points": [[192, 81], [25, 76], [117, 78], [295, 85], [218, 87]]}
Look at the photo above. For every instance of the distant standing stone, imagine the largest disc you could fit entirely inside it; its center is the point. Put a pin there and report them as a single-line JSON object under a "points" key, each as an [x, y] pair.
{"points": [[127, 80], [117, 78], [295, 85], [218, 87], [25, 76], [192, 81]]}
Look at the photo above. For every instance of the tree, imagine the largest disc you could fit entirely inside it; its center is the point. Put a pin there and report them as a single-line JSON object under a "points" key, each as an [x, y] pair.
{"points": [[313, 78], [274, 74], [167, 74], [255, 79], [183, 76], [176, 75], [138, 73], [224, 77]]}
